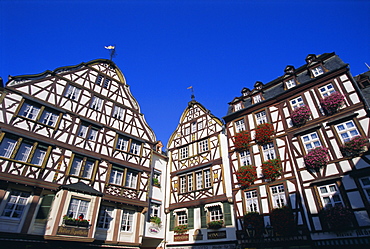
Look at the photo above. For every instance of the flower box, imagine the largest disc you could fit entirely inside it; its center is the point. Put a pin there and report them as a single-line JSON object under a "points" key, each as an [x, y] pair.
{"points": [[242, 140], [271, 169], [217, 224], [354, 147], [330, 104], [282, 220], [316, 158], [300, 115], [264, 133], [181, 229], [156, 220], [337, 217], [76, 222], [246, 175]]}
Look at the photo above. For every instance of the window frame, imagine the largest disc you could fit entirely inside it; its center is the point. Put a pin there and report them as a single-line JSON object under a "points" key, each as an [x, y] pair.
{"points": [[81, 209], [244, 157], [215, 213], [96, 103], [105, 217], [347, 130], [261, 119], [127, 220], [311, 141], [257, 98], [239, 125], [181, 217], [203, 145], [197, 180], [317, 71], [184, 152], [80, 170], [13, 204], [290, 83], [325, 90], [252, 202], [72, 92], [118, 112], [329, 195], [238, 106], [39, 117], [128, 145], [299, 102], [278, 197], [365, 187], [269, 151]]}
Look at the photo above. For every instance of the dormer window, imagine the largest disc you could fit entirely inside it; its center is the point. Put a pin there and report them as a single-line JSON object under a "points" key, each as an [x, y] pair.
{"points": [[310, 58], [246, 92], [290, 83], [258, 85], [317, 71], [257, 98], [289, 70], [238, 106]]}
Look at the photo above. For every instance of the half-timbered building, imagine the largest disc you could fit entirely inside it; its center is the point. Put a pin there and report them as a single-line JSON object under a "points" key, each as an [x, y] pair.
{"points": [[199, 198], [306, 160], [76, 159]]}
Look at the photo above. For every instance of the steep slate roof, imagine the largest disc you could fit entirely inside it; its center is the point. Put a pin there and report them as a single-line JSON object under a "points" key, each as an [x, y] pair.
{"points": [[274, 88], [81, 187]]}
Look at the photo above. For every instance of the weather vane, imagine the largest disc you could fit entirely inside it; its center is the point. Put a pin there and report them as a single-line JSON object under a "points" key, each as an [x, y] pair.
{"points": [[192, 92], [112, 51]]}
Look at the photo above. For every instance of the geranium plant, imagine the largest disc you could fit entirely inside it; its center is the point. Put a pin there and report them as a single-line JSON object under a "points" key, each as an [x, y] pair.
{"points": [[300, 115], [156, 220], [282, 220], [316, 158], [256, 221], [180, 229], [242, 140], [215, 224], [337, 217], [271, 169], [354, 146], [70, 221], [264, 133], [332, 103], [246, 175]]}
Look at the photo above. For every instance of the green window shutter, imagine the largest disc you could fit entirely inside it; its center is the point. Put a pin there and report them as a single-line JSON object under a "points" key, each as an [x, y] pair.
{"points": [[190, 218], [45, 206], [172, 221], [227, 214], [203, 217]]}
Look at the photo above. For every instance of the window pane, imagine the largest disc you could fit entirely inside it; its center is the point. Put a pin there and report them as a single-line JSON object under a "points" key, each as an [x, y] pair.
{"points": [[7, 147], [23, 152], [38, 156]]}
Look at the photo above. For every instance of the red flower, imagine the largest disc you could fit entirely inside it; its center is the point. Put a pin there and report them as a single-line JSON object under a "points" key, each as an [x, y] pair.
{"points": [[271, 169], [246, 175], [282, 220], [332, 103], [264, 133], [242, 140]]}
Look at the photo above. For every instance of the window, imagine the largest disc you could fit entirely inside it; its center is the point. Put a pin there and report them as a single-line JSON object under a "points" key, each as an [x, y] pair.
{"points": [[88, 131], [311, 141], [82, 167], [296, 102], [124, 143], [78, 207], [182, 218], [72, 92], [105, 217], [290, 83], [365, 182], [261, 117], [93, 133], [184, 152], [257, 99], [251, 199], [245, 158], [238, 107], [23, 150], [215, 213], [118, 112], [17, 201], [96, 103], [190, 182], [186, 131], [330, 196], [193, 127], [127, 220], [117, 177], [33, 111], [326, 90], [200, 125], [347, 130], [268, 151], [202, 181], [203, 145], [131, 179], [182, 184], [99, 80], [155, 210], [278, 196], [106, 83], [317, 71], [239, 125]]}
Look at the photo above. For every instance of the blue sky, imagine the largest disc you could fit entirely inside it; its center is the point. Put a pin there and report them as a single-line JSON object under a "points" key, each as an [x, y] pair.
{"points": [[163, 47]]}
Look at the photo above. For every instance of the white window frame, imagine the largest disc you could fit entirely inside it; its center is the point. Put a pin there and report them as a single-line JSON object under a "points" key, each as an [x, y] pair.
{"points": [[29, 111], [49, 118], [82, 167], [105, 217], [261, 117], [296, 102], [290, 83], [127, 221], [203, 145], [72, 92], [278, 196], [347, 130], [131, 179], [193, 127], [116, 177], [317, 71], [269, 151], [190, 182], [330, 195], [251, 201], [200, 125], [245, 158], [182, 218], [327, 90], [365, 183], [257, 98], [311, 141], [239, 125], [17, 202], [182, 184], [118, 112], [238, 106], [215, 213], [155, 209], [184, 152], [135, 147], [77, 207], [96, 103]]}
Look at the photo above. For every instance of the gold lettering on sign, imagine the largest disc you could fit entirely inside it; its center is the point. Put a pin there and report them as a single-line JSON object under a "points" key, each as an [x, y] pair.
{"points": [[181, 237], [73, 231], [216, 235]]}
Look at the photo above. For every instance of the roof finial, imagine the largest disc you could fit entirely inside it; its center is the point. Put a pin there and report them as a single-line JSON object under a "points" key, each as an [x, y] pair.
{"points": [[112, 51], [192, 92]]}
